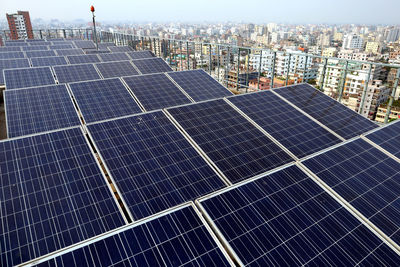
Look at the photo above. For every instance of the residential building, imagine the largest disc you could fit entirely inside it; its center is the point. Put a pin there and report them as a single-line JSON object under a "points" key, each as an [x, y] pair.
{"points": [[353, 41], [20, 25], [394, 112], [329, 52]]}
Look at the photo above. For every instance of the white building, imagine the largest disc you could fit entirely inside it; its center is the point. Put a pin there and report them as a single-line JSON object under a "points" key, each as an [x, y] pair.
{"points": [[353, 41]]}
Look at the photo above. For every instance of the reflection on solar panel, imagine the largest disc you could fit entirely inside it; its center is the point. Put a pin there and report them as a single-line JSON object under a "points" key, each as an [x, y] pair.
{"points": [[120, 48], [156, 91], [11, 54], [28, 77], [76, 73], [237, 147], [53, 195], [140, 54], [40, 53], [286, 219], [10, 48], [36, 47], [365, 177], [178, 238], [39, 109], [48, 61], [84, 44], [79, 59], [328, 111], [151, 65], [114, 57], [69, 52], [388, 137], [116, 69], [61, 46], [199, 85], [301, 135], [152, 163], [105, 45], [103, 99], [12, 64]]}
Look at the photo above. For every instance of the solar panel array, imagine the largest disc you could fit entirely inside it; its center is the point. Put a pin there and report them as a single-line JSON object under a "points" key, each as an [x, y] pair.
{"points": [[76, 73], [388, 138], [116, 69], [140, 54], [41, 53], [48, 61], [152, 65], [69, 52], [12, 54], [28, 77], [113, 57], [81, 59], [12, 64]]}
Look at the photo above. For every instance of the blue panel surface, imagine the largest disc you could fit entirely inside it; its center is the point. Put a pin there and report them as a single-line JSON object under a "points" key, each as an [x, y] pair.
{"points": [[69, 52], [388, 137], [326, 110], [286, 219], [48, 61], [12, 64], [237, 147], [61, 46], [153, 165], [85, 44], [151, 65], [114, 57], [40, 53], [53, 195], [11, 54], [116, 69], [80, 59], [10, 49], [28, 77], [76, 73], [39, 109], [115, 49], [105, 45], [103, 99], [16, 43], [36, 47], [140, 54]]}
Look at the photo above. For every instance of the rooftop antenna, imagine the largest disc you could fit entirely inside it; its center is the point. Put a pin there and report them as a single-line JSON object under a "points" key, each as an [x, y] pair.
{"points": [[94, 28]]}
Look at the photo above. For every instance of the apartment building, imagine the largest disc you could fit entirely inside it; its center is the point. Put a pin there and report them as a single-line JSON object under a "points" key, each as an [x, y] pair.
{"points": [[20, 25]]}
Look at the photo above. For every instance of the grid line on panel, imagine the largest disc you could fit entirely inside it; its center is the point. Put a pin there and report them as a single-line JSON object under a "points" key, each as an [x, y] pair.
{"points": [[76, 73], [116, 69], [151, 65], [48, 61], [387, 138], [28, 77]]}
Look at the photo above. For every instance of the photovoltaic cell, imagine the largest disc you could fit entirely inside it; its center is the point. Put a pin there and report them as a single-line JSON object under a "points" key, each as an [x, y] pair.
{"points": [[365, 177], [11, 54], [36, 47], [153, 165], [156, 91], [298, 133], [178, 238], [28, 77], [37, 42], [326, 110], [388, 137], [140, 54], [286, 219], [80, 59], [76, 73], [10, 48], [12, 64], [105, 45], [48, 61], [53, 195], [116, 69], [60, 46], [115, 49], [39, 109], [94, 51], [40, 53], [69, 52], [199, 85], [114, 57], [103, 99], [151, 65], [237, 147], [85, 44], [13, 43]]}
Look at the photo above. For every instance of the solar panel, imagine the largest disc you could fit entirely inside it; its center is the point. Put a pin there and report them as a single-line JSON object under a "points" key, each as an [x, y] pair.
{"points": [[199, 85], [237, 147], [388, 137], [105, 45], [34, 48], [7, 43], [94, 51], [11, 54], [151, 65], [365, 177], [140, 54], [53, 195], [41, 53], [80, 59], [84, 44], [76, 73], [60, 46], [39, 109], [114, 57], [116, 69], [156, 91], [178, 238], [120, 49], [37, 42], [326, 110], [12, 64], [10, 48], [48, 61], [103, 99], [151, 162], [28, 77], [69, 52], [57, 40], [298, 133], [286, 219]]}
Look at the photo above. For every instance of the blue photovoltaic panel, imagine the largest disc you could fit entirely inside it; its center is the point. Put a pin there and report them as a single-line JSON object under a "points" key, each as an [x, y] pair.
{"points": [[60, 46], [153, 165], [12, 64], [84, 44], [16, 43], [365, 177], [105, 45], [37, 42], [114, 57], [326, 110], [39, 109], [57, 40], [286, 219], [237, 147], [76, 73], [53, 195], [80, 59], [151, 65], [199, 85], [103, 99], [298, 133], [140, 54], [28, 77], [94, 51], [40, 53], [120, 49], [11, 54], [156, 91], [69, 52], [116, 69], [36, 47], [10, 48], [48, 61], [178, 238], [388, 137]]}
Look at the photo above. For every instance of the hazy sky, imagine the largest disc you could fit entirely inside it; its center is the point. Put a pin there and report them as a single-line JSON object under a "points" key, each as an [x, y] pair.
{"points": [[257, 11]]}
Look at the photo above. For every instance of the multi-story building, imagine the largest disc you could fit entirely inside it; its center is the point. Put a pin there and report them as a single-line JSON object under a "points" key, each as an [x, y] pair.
{"points": [[393, 35], [20, 25], [373, 47], [353, 41], [352, 55], [329, 52], [394, 112]]}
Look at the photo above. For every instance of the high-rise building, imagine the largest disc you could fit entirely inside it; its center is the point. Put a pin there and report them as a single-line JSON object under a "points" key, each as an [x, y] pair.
{"points": [[20, 25], [353, 41]]}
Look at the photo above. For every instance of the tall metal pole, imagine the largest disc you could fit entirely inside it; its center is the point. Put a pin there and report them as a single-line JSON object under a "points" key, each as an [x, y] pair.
{"points": [[288, 70], [321, 86], [259, 70], [389, 107], [94, 28], [273, 71], [343, 82], [364, 93]]}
